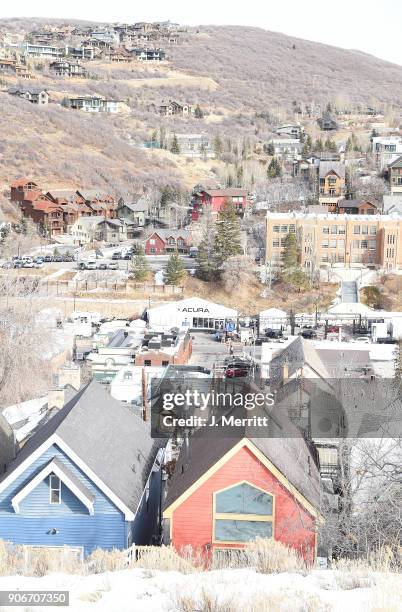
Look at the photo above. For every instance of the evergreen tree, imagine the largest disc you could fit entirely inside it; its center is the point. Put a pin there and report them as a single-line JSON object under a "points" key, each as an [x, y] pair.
{"points": [[139, 268], [227, 238], [240, 176], [174, 271], [229, 180], [206, 262], [349, 145], [175, 147], [162, 137], [290, 255], [318, 146], [198, 113], [329, 108], [154, 137], [274, 168], [166, 196], [218, 147], [270, 149], [330, 145]]}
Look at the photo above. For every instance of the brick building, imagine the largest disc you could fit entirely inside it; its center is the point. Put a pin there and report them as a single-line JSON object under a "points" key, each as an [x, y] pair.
{"points": [[369, 239]]}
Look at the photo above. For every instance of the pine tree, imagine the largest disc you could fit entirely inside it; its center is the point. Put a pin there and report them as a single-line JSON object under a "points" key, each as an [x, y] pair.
{"points": [[206, 262], [229, 181], [139, 267], [154, 137], [162, 137], [274, 168], [198, 113], [290, 255], [240, 176], [270, 149], [318, 146], [227, 238], [175, 147], [218, 147], [174, 271]]}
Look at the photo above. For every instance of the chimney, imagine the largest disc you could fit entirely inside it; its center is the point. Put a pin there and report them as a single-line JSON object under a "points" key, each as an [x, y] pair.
{"points": [[56, 398]]}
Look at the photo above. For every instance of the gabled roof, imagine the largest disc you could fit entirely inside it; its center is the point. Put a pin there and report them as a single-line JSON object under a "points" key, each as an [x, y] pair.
{"points": [[113, 443], [397, 163], [289, 457], [356, 203], [174, 233], [331, 166], [22, 182], [297, 354], [140, 206], [226, 192]]}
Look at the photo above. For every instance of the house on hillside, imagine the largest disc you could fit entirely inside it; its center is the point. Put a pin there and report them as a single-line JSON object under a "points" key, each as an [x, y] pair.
{"points": [[230, 488], [331, 177], [327, 123], [216, 198], [35, 95], [171, 108], [45, 213], [88, 478], [133, 213], [21, 187], [94, 104], [386, 150], [166, 241], [356, 207], [395, 175], [149, 55], [287, 148], [102, 204], [293, 130], [64, 68]]}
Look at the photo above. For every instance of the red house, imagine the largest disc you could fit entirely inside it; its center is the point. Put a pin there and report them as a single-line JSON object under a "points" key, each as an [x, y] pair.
{"points": [[216, 198], [227, 491], [22, 187], [166, 241], [356, 207]]}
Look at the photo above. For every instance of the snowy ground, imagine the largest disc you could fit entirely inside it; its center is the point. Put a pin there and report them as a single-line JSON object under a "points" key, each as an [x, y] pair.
{"points": [[228, 590]]}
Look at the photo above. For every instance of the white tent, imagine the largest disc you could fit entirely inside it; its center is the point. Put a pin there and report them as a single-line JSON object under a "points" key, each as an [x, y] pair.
{"points": [[193, 312]]}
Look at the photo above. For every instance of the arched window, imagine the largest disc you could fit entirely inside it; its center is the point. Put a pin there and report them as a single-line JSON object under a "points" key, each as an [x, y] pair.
{"points": [[242, 513]]}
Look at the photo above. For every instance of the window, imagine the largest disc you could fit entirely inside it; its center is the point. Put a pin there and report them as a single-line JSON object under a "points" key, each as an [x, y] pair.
{"points": [[275, 228], [292, 229], [372, 244], [364, 229], [364, 244], [275, 243], [341, 229], [341, 244], [284, 229], [341, 257], [324, 244], [147, 362], [325, 230], [283, 242], [332, 191], [373, 231], [242, 513], [332, 244], [355, 244], [165, 363], [334, 229], [127, 376], [54, 489], [331, 180], [153, 250], [356, 229], [152, 241]]}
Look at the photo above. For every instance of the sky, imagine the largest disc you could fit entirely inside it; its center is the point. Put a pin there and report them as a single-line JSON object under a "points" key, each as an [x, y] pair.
{"points": [[371, 26]]}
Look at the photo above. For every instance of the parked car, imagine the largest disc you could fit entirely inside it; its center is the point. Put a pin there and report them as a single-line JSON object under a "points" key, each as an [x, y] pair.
{"points": [[308, 334], [8, 264], [48, 258], [237, 371], [117, 255], [127, 256], [67, 257], [103, 265], [17, 263], [387, 340], [88, 265], [361, 331], [58, 258], [362, 340], [38, 264], [28, 264], [193, 252], [332, 329], [113, 265], [273, 333]]}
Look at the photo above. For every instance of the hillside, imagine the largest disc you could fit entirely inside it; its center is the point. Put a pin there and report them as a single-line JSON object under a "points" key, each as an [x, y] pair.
{"points": [[262, 69], [231, 72]]}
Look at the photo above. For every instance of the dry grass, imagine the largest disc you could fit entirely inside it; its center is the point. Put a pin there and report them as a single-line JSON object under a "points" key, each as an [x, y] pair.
{"points": [[391, 288], [248, 299]]}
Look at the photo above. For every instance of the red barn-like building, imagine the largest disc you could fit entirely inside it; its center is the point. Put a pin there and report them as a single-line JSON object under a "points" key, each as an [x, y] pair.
{"points": [[216, 198], [227, 491], [166, 241]]}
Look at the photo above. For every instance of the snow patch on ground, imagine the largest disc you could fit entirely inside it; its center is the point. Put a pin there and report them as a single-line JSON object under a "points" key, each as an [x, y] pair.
{"points": [[132, 590]]}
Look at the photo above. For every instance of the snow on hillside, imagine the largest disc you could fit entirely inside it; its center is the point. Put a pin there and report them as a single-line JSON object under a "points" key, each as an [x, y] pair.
{"points": [[220, 591]]}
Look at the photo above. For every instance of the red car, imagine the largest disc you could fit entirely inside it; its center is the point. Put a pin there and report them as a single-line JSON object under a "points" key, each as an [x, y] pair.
{"points": [[236, 372], [333, 329]]}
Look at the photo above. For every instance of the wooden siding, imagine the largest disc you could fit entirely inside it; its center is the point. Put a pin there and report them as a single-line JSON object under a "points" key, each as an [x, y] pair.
{"points": [[192, 521], [106, 529]]}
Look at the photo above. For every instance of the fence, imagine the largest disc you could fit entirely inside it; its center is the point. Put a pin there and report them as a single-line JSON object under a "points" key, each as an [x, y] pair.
{"points": [[68, 287]]}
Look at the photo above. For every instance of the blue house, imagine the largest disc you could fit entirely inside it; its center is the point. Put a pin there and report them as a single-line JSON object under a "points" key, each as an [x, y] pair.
{"points": [[88, 478]]}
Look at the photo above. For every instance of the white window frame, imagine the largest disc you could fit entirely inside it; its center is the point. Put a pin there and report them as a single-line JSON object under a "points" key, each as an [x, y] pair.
{"points": [[52, 488]]}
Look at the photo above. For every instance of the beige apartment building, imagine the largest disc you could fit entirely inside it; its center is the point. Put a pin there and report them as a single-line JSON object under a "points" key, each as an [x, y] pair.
{"points": [[327, 238]]}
